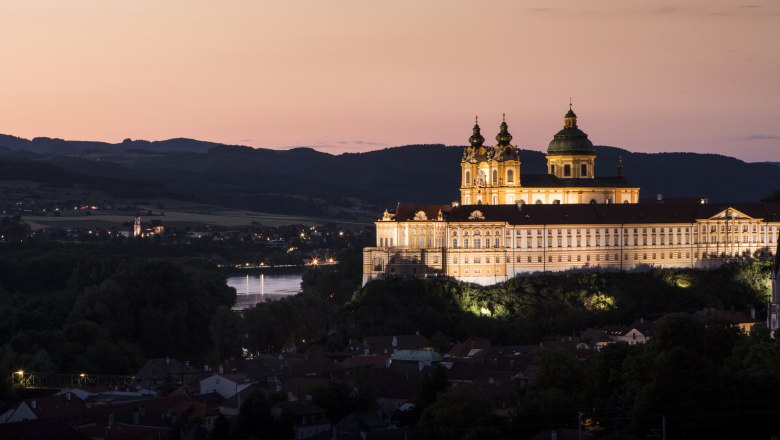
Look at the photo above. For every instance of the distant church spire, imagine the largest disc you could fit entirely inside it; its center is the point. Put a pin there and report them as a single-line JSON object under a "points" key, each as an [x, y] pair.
{"points": [[621, 170]]}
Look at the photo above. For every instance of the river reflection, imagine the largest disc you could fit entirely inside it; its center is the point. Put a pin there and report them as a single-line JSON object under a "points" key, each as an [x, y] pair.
{"points": [[255, 288]]}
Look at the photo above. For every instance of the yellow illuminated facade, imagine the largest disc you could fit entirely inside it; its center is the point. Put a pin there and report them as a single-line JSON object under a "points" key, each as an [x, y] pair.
{"points": [[491, 175], [502, 227]]}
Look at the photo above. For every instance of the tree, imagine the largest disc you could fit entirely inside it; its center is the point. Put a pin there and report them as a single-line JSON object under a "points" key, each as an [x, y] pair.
{"points": [[774, 197], [458, 413], [254, 416], [226, 333]]}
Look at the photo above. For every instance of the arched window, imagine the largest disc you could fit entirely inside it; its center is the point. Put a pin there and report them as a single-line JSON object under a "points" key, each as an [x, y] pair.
{"points": [[584, 170], [495, 176], [567, 170], [467, 180], [510, 176]]}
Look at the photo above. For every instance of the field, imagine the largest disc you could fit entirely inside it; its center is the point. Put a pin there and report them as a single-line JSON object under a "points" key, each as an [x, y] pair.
{"points": [[178, 219], [172, 212]]}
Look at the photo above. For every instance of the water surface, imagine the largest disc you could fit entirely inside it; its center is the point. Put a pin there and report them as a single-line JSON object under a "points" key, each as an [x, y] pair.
{"points": [[255, 288]]}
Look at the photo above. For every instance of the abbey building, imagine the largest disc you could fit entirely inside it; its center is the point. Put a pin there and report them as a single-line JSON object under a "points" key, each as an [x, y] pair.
{"points": [[509, 223]]}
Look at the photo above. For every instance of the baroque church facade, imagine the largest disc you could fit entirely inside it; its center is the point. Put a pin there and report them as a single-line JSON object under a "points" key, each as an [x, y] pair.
{"points": [[508, 223], [491, 174]]}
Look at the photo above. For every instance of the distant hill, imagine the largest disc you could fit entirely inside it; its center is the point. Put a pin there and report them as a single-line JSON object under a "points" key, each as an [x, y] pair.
{"points": [[61, 147], [305, 181]]}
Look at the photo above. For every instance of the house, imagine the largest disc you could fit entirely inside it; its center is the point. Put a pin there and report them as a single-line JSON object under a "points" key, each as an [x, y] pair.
{"points": [[394, 388], [226, 385], [165, 373], [387, 344], [414, 358], [468, 348], [299, 388], [639, 332], [623, 333], [67, 408], [362, 425], [736, 319]]}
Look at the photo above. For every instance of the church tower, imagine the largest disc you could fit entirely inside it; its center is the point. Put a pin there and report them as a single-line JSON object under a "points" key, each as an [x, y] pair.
{"points": [[490, 175], [570, 153], [137, 226]]}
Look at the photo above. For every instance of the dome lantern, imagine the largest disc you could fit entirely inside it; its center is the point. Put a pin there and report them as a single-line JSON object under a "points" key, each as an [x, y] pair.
{"points": [[571, 140]]}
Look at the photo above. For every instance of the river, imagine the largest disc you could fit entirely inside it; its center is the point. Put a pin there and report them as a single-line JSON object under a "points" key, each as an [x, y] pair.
{"points": [[255, 288]]}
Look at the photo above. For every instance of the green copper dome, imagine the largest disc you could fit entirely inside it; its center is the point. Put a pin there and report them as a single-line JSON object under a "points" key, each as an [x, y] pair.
{"points": [[571, 140]]}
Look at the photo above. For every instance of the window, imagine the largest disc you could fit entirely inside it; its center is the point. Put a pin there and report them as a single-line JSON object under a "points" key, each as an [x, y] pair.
{"points": [[510, 176], [455, 242], [583, 170], [477, 243], [567, 170], [497, 243], [552, 169], [538, 202], [467, 180], [495, 176]]}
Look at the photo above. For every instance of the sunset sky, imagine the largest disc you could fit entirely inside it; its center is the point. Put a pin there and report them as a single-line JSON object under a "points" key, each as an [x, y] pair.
{"points": [[700, 76]]}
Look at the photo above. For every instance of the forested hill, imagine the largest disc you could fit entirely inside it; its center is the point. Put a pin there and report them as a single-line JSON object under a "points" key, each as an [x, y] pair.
{"points": [[295, 180]]}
